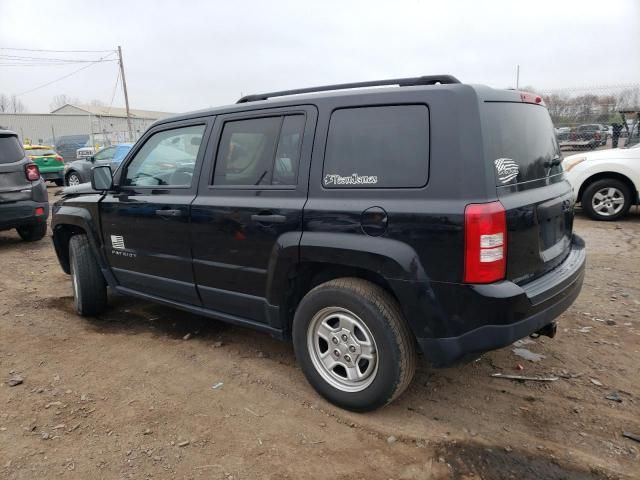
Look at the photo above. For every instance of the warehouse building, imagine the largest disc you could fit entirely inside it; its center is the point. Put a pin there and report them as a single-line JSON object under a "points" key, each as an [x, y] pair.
{"points": [[81, 125]]}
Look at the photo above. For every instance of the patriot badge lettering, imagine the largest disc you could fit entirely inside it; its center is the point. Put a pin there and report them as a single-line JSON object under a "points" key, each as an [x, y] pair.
{"points": [[506, 169]]}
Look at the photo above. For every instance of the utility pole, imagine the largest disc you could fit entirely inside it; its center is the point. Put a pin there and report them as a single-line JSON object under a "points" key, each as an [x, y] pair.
{"points": [[517, 77], [126, 95]]}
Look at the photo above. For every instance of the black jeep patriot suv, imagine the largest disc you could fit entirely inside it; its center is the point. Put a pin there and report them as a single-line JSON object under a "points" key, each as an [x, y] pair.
{"points": [[24, 204], [367, 224]]}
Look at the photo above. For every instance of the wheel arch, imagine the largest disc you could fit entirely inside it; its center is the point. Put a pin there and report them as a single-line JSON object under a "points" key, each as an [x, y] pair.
{"points": [[69, 221], [69, 172], [609, 174]]}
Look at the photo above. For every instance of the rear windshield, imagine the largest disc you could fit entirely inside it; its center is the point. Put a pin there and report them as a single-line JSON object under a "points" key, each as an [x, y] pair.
{"points": [[520, 142], [10, 149], [37, 152]]}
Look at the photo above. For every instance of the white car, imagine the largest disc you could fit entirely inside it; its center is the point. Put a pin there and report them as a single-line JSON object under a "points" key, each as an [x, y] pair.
{"points": [[605, 182], [85, 152]]}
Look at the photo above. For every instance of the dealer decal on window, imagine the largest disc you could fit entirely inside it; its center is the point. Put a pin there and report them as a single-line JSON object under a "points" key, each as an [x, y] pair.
{"points": [[353, 179]]}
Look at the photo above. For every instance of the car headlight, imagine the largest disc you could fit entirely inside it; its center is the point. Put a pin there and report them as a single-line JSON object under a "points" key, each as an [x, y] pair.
{"points": [[571, 162]]}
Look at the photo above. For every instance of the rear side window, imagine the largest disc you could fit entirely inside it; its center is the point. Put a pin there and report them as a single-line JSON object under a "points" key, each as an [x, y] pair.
{"points": [[520, 142], [378, 147], [260, 151], [10, 149]]}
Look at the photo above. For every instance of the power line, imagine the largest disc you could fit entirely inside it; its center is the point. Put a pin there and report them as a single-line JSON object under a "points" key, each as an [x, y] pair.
{"points": [[22, 58], [61, 64], [65, 76], [113, 94], [56, 51]]}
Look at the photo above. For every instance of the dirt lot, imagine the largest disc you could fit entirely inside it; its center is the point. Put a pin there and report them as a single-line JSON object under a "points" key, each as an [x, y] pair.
{"points": [[129, 394]]}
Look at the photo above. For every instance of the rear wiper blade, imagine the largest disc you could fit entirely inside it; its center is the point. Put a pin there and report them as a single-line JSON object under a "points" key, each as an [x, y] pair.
{"points": [[554, 162]]}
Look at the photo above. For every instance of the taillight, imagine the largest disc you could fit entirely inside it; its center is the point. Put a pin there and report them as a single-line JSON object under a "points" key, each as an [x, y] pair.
{"points": [[39, 211], [32, 172], [485, 242], [531, 98], [59, 159]]}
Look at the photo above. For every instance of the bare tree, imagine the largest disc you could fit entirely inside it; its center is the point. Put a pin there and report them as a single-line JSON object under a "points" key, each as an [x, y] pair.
{"points": [[4, 103], [16, 105], [61, 100]]}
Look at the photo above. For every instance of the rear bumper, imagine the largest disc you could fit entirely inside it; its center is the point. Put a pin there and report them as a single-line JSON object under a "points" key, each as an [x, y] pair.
{"points": [[517, 311], [16, 214], [59, 175], [580, 143]]}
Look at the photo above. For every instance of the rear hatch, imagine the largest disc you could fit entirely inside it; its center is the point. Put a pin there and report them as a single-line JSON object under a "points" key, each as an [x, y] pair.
{"points": [[46, 160], [522, 150], [13, 180]]}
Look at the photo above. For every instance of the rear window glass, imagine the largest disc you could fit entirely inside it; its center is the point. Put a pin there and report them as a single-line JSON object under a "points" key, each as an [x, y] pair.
{"points": [[520, 142], [10, 149], [377, 147], [36, 152]]}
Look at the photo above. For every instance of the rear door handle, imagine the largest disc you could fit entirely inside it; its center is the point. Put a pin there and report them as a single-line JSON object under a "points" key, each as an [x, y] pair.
{"points": [[268, 218], [169, 213]]}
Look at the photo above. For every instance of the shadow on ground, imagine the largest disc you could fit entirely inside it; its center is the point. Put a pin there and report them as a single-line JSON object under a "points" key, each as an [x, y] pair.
{"points": [[468, 460]]}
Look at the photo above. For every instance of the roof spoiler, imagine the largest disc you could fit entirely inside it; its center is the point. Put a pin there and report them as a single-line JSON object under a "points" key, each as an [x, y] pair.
{"points": [[401, 82]]}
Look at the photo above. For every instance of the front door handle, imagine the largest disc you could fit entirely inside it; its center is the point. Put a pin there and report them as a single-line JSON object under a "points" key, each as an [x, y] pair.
{"points": [[169, 213], [268, 218]]}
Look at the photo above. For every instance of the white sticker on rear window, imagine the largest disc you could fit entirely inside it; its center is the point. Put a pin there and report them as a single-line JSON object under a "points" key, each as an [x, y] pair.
{"points": [[506, 169], [353, 179]]}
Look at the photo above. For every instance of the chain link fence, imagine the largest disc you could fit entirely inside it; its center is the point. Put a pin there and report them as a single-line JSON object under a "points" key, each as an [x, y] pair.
{"points": [[68, 132], [595, 117]]}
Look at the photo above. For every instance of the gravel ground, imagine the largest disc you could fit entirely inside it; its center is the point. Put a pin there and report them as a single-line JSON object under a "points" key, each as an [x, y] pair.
{"points": [[149, 392]]}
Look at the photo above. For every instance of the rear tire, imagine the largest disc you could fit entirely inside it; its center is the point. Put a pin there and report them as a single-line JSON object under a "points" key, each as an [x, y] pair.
{"points": [[89, 286], [607, 200], [32, 232], [59, 182], [353, 344]]}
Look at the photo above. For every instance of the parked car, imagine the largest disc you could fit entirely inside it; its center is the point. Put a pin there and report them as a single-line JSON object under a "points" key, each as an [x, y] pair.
{"points": [[85, 152], [359, 223], [79, 171], [562, 133], [24, 204], [605, 182], [67, 145], [50, 164], [586, 136]]}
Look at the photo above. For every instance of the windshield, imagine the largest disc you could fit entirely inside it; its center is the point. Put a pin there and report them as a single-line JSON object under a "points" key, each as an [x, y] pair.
{"points": [[520, 142]]}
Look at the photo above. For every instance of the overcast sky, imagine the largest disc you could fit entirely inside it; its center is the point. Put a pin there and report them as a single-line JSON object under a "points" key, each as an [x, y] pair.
{"points": [[185, 55]]}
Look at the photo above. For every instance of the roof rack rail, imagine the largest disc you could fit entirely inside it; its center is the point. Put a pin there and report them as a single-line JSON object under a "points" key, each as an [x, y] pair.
{"points": [[401, 82]]}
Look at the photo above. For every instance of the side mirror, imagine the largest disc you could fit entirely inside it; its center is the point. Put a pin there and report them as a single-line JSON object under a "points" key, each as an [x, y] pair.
{"points": [[91, 158], [101, 178]]}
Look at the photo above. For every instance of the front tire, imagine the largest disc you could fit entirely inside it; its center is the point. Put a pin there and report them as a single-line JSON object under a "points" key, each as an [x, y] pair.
{"points": [[32, 232], [353, 344], [73, 179], [607, 199], [89, 286]]}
